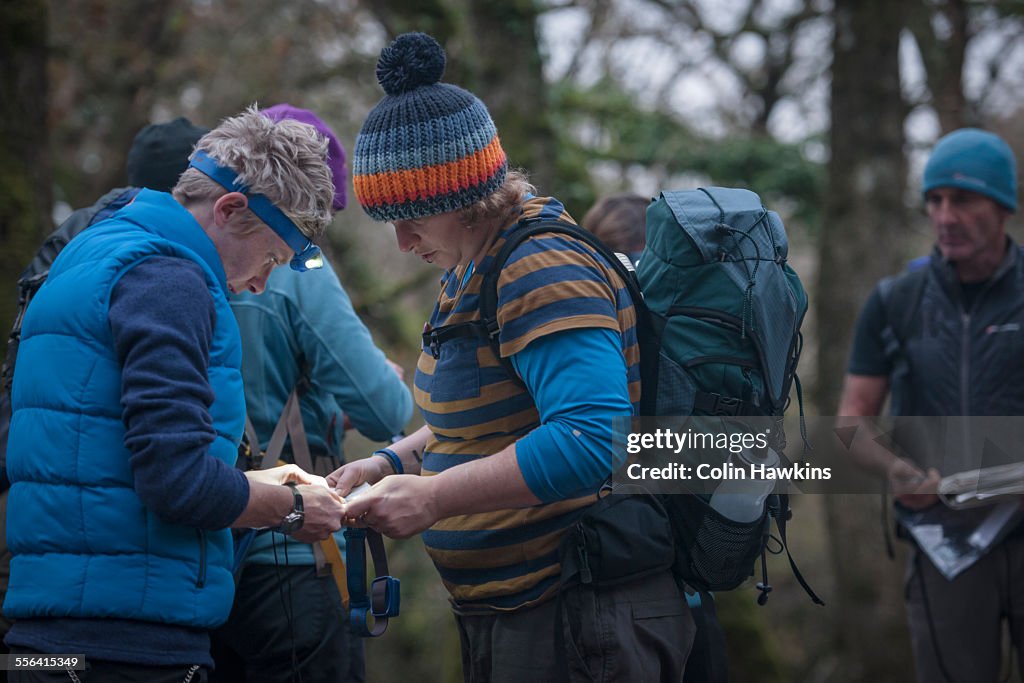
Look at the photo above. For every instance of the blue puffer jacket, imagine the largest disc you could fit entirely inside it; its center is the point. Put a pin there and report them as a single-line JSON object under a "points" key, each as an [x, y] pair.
{"points": [[90, 548]]}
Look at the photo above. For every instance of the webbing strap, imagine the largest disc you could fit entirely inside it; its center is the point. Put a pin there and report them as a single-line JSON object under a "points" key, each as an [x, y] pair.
{"points": [[780, 522], [297, 432], [254, 455], [717, 404], [329, 548], [383, 601], [326, 554], [277, 438], [433, 339]]}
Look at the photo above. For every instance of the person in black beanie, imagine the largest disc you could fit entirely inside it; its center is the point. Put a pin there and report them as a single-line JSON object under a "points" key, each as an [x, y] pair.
{"points": [[159, 153]]}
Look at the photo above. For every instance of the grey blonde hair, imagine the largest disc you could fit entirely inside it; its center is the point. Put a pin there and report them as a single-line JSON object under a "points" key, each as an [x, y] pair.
{"points": [[284, 160], [503, 203]]}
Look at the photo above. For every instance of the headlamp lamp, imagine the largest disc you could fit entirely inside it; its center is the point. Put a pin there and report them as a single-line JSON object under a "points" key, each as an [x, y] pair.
{"points": [[307, 255]]}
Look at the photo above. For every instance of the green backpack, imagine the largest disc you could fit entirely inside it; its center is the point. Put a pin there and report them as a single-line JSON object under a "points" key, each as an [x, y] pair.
{"points": [[724, 310], [718, 321], [725, 306]]}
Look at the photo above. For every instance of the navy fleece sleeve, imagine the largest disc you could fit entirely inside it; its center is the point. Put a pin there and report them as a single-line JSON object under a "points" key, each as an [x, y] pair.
{"points": [[162, 319], [578, 380]]}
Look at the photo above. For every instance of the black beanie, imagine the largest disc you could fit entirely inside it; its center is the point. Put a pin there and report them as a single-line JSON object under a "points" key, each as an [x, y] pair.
{"points": [[159, 153]]}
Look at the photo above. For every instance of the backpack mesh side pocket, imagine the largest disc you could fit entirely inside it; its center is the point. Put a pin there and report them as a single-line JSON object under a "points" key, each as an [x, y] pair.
{"points": [[676, 389], [713, 552]]}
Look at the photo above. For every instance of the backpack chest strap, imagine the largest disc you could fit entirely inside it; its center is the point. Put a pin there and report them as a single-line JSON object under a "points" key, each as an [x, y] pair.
{"points": [[485, 330]]}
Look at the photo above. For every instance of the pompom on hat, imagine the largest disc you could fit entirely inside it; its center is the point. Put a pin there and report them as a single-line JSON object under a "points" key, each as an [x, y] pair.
{"points": [[976, 160], [428, 147]]}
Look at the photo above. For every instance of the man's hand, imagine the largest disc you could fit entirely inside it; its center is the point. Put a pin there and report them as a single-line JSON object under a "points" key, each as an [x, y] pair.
{"points": [[323, 512], [284, 474], [400, 506], [365, 471], [911, 486]]}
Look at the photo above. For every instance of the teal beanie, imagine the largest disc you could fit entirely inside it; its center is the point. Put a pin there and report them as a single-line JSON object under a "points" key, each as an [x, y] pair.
{"points": [[975, 160]]}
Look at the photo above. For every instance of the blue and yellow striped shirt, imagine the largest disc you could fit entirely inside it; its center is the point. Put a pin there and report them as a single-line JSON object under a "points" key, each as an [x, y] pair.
{"points": [[508, 559]]}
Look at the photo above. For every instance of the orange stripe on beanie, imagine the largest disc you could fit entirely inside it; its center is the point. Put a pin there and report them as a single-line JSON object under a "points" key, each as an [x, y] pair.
{"points": [[431, 182]]}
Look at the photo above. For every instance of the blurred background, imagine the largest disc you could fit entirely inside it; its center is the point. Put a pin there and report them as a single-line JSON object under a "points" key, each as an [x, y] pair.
{"points": [[825, 108]]}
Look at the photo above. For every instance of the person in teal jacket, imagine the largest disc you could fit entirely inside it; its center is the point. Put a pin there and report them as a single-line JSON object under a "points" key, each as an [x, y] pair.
{"points": [[128, 407], [303, 329]]}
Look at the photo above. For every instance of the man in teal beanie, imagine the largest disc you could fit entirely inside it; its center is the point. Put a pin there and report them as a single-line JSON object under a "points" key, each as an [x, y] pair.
{"points": [[975, 160], [944, 338]]}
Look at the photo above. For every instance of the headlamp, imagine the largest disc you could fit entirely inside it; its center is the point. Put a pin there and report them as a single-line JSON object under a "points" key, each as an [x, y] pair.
{"points": [[307, 255]]}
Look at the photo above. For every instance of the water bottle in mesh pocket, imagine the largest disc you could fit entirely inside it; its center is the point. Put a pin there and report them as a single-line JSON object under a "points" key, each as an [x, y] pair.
{"points": [[713, 552]]}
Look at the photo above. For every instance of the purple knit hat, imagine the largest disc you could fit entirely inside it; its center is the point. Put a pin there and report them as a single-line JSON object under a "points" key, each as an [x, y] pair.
{"points": [[335, 152]]}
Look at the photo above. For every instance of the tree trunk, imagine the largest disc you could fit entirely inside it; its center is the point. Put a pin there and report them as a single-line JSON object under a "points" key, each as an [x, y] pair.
{"points": [[510, 81], [25, 185], [941, 34], [108, 56], [860, 242]]}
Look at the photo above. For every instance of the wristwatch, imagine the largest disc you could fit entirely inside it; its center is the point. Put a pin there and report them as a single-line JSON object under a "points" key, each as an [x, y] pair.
{"points": [[293, 521]]}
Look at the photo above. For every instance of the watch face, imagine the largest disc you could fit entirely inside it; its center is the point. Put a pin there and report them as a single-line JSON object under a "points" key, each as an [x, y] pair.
{"points": [[292, 522]]}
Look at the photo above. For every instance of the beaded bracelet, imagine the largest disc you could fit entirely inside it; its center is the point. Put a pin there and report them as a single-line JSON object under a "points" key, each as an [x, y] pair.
{"points": [[392, 457]]}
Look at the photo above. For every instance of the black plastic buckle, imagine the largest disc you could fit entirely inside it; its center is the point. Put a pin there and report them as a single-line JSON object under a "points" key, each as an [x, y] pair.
{"points": [[430, 341], [726, 405], [492, 327]]}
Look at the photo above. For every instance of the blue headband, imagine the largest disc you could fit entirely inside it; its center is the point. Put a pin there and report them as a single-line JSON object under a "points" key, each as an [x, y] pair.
{"points": [[307, 255]]}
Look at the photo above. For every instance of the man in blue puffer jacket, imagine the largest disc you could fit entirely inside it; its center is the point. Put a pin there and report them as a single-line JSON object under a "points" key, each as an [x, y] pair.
{"points": [[128, 407]]}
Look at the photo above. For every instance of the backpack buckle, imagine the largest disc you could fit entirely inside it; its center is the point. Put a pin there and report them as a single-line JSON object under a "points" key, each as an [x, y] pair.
{"points": [[386, 598], [492, 328], [726, 405], [430, 341]]}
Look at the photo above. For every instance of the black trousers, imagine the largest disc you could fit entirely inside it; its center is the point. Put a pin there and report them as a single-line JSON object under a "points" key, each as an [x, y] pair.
{"points": [[637, 631], [286, 624], [956, 626]]}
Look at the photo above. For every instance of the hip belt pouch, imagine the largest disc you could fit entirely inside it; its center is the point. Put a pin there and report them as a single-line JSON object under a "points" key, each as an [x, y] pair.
{"points": [[622, 537]]}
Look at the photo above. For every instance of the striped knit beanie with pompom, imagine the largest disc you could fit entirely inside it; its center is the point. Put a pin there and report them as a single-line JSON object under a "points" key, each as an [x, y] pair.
{"points": [[428, 147]]}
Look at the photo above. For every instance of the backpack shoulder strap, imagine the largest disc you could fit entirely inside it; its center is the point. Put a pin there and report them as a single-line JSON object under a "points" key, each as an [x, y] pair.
{"points": [[105, 207], [901, 299], [326, 554], [290, 427], [540, 226], [35, 274], [901, 302]]}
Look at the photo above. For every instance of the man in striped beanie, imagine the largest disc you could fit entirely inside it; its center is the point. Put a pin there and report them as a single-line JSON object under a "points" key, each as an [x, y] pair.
{"points": [[516, 443]]}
